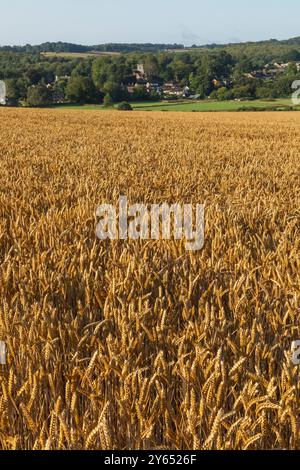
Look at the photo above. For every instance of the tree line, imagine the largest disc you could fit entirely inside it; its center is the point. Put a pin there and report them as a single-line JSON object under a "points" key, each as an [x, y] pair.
{"points": [[58, 47], [219, 73]]}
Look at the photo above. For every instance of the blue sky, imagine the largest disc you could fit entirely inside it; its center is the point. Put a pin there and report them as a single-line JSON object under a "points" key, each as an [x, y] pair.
{"points": [[167, 21]]}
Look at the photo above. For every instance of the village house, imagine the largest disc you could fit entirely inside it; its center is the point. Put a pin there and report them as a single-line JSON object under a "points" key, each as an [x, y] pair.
{"points": [[140, 75], [154, 87], [281, 67], [140, 68], [271, 71], [171, 89], [259, 74], [138, 78]]}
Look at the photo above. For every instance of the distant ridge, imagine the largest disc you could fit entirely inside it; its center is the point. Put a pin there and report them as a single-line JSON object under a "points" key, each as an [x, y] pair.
{"points": [[112, 47], [285, 42], [67, 47]]}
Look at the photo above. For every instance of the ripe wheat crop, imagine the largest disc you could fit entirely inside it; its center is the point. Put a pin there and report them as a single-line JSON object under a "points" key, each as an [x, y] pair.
{"points": [[141, 344]]}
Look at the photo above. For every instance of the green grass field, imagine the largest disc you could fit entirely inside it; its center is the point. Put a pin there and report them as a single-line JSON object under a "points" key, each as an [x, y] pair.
{"points": [[198, 106]]}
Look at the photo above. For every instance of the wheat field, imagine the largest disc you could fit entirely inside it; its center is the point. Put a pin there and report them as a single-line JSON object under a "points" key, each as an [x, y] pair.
{"points": [[141, 344]]}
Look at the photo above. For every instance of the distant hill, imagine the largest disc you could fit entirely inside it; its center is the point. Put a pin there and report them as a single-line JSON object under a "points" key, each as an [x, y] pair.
{"points": [[285, 42], [57, 47], [65, 47]]}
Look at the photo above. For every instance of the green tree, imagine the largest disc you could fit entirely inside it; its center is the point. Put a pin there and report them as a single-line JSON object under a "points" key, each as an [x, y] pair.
{"points": [[223, 94], [264, 92], [291, 70], [81, 90], [22, 85], [12, 92], [108, 101], [112, 70], [116, 91], [140, 93], [291, 56], [181, 70], [243, 91], [82, 69], [33, 75], [100, 71], [151, 66], [243, 66], [283, 87], [154, 96], [39, 96]]}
